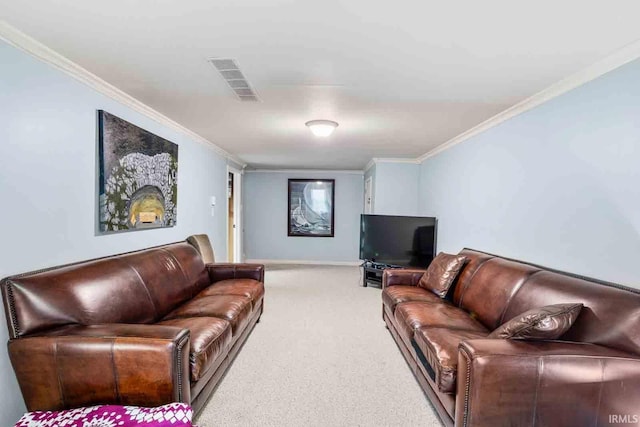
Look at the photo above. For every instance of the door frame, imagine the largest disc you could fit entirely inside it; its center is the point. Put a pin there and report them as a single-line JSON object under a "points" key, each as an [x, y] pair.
{"points": [[368, 181], [236, 256]]}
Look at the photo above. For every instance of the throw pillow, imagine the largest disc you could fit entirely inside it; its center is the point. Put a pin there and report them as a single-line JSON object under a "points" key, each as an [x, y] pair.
{"points": [[170, 415], [546, 323], [441, 273]]}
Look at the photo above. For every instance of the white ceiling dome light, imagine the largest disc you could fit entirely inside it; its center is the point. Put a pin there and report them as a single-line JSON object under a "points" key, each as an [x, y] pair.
{"points": [[322, 128]]}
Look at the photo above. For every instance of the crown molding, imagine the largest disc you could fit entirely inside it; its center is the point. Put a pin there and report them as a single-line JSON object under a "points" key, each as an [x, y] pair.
{"points": [[325, 171], [377, 160], [31, 46], [233, 162], [396, 160], [623, 56], [19, 40], [369, 165]]}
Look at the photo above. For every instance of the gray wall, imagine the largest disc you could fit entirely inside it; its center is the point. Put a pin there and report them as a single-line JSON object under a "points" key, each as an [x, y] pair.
{"points": [[396, 189], [558, 185], [265, 219], [48, 182]]}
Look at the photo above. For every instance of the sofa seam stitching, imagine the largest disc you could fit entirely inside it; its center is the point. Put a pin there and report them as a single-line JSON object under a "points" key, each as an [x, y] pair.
{"points": [[12, 308], [513, 294], [116, 377], [60, 388], [466, 286], [539, 367], [186, 278], [467, 397], [144, 286], [597, 417], [552, 356], [179, 347]]}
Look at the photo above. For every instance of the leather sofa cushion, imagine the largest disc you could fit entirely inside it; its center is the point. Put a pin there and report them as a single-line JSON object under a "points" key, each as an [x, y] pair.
{"points": [[210, 338], [413, 315], [492, 287], [610, 317], [474, 261], [138, 287], [440, 349], [249, 288], [393, 295], [441, 273], [233, 308], [545, 323]]}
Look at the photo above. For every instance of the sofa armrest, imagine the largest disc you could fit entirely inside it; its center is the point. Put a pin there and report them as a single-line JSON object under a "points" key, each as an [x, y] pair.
{"points": [[513, 382], [225, 271], [143, 365], [401, 276]]}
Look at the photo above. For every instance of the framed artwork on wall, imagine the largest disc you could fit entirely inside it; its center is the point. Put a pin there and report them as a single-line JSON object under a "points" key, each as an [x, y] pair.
{"points": [[311, 207], [138, 183]]}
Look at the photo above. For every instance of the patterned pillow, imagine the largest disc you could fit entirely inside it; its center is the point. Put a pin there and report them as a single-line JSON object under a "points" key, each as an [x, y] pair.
{"points": [[171, 415], [441, 273], [545, 323]]}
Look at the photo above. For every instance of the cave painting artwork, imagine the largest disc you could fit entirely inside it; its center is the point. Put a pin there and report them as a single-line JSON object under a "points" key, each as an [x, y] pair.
{"points": [[311, 207], [138, 177]]}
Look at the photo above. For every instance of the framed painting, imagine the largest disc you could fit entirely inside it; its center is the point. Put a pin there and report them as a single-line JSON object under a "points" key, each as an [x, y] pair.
{"points": [[138, 183], [311, 207]]}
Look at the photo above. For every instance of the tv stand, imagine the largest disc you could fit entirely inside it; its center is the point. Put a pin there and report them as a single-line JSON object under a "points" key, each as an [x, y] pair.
{"points": [[372, 273]]}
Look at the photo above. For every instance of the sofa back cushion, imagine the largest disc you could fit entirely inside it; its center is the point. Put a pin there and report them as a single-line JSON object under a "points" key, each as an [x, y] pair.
{"points": [[138, 287], [496, 289], [492, 286], [474, 260], [610, 316], [171, 274]]}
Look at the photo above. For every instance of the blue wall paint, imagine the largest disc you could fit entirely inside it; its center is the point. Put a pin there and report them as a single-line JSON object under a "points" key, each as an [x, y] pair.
{"points": [[558, 185], [265, 216], [396, 189], [48, 182]]}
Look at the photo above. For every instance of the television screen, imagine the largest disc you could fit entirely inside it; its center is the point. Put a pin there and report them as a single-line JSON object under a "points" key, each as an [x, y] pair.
{"points": [[407, 241]]}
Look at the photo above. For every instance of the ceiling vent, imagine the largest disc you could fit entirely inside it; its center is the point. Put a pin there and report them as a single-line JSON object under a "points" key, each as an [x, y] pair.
{"points": [[230, 72]]}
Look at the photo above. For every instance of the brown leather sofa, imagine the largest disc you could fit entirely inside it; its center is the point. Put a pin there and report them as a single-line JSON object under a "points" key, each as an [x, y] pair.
{"points": [[143, 328], [590, 377]]}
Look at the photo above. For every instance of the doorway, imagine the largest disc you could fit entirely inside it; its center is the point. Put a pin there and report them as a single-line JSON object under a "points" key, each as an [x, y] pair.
{"points": [[234, 208]]}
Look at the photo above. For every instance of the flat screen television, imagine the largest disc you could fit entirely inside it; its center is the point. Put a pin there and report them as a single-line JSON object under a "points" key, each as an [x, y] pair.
{"points": [[405, 241]]}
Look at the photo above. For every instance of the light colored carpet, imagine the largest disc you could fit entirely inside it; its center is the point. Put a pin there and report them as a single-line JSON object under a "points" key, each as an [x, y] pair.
{"points": [[320, 356]]}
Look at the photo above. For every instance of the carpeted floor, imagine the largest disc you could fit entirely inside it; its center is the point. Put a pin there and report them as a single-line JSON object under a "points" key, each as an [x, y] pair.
{"points": [[320, 356]]}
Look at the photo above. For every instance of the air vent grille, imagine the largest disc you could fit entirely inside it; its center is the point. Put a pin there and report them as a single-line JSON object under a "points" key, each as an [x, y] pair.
{"points": [[238, 84], [224, 64], [232, 75], [230, 72]]}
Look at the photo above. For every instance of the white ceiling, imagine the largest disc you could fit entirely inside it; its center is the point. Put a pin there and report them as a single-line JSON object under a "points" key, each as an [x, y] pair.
{"points": [[400, 77]]}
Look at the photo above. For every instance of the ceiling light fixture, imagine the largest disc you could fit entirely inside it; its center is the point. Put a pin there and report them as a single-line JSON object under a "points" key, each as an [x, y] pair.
{"points": [[322, 128]]}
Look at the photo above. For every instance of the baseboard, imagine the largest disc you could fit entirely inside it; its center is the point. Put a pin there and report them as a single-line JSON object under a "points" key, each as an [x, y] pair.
{"points": [[302, 261]]}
